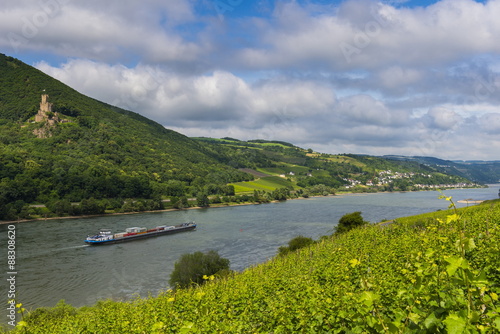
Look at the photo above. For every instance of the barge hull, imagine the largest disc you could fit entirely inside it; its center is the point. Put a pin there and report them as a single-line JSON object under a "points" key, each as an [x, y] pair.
{"points": [[144, 235]]}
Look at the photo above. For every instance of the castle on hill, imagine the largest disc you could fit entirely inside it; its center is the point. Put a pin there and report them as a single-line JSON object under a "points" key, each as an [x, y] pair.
{"points": [[48, 117], [45, 112]]}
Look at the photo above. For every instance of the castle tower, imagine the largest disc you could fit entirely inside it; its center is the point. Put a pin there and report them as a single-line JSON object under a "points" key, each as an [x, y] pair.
{"points": [[45, 106]]}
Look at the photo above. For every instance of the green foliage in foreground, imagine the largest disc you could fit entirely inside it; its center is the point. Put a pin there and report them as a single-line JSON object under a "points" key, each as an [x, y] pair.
{"points": [[438, 273]]}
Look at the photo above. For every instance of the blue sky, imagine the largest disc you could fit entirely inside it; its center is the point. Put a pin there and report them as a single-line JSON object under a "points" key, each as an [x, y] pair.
{"points": [[353, 76]]}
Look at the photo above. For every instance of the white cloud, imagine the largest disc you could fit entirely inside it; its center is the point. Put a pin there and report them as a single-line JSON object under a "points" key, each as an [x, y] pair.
{"points": [[442, 118], [177, 99], [364, 109], [97, 30], [397, 79], [490, 123], [362, 33]]}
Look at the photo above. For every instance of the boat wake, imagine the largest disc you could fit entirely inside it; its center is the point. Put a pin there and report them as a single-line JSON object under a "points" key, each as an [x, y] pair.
{"points": [[50, 252], [72, 247]]}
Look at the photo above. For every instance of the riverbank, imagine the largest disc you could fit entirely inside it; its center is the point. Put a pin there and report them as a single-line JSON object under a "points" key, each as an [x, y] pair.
{"points": [[220, 205]]}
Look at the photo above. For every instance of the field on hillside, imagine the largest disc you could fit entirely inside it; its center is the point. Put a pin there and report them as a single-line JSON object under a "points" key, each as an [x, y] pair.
{"points": [[268, 183], [433, 273]]}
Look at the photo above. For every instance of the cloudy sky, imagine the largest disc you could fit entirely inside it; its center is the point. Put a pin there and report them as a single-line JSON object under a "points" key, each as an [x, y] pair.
{"points": [[416, 77]]}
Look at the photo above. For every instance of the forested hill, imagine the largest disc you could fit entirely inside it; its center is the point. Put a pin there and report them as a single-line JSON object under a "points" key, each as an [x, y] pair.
{"points": [[88, 149]]}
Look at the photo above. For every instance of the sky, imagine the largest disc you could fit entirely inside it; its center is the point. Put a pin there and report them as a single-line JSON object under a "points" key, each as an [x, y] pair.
{"points": [[414, 78]]}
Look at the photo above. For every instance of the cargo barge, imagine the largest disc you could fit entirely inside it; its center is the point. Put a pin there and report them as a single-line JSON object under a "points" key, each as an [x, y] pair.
{"points": [[105, 236]]}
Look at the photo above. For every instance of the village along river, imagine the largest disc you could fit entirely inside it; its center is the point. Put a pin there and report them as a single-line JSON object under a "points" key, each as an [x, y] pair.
{"points": [[53, 263]]}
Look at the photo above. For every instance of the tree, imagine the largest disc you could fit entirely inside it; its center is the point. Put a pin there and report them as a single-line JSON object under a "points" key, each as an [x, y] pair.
{"points": [[294, 244], [281, 194], [60, 207], [261, 196], [202, 200], [350, 221], [216, 200], [229, 190], [191, 268], [91, 207], [179, 202]]}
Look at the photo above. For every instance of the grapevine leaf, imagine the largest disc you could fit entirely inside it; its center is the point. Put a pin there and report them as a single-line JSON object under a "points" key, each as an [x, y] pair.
{"points": [[392, 328], [470, 245], [455, 324], [354, 262], [474, 317], [414, 317], [431, 321], [187, 327], [452, 218], [369, 298], [455, 262], [21, 324], [158, 326], [480, 280]]}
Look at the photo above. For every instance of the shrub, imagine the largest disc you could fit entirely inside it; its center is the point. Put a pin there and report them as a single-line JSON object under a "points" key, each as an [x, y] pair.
{"points": [[191, 268], [56, 313], [350, 221], [294, 244]]}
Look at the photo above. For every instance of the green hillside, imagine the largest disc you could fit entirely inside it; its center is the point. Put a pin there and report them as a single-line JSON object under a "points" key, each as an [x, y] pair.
{"points": [[433, 273], [343, 172], [88, 150]]}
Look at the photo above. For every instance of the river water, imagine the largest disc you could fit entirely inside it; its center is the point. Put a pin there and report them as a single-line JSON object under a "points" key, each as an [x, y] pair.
{"points": [[53, 263]]}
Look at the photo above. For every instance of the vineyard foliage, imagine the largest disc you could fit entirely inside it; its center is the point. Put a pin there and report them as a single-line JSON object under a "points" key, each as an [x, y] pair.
{"points": [[433, 273]]}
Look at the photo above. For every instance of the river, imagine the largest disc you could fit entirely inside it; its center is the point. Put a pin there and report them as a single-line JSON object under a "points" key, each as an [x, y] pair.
{"points": [[53, 263]]}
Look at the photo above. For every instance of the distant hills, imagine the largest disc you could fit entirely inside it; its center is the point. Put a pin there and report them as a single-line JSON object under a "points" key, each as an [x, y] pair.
{"points": [[76, 155], [486, 172]]}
